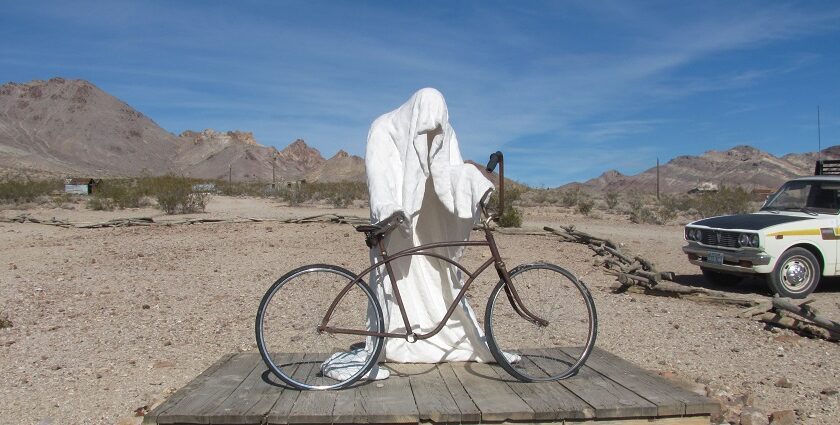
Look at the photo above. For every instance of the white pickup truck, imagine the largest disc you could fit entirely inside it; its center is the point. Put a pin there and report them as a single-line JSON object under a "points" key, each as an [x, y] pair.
{"points": [[792, 241]]}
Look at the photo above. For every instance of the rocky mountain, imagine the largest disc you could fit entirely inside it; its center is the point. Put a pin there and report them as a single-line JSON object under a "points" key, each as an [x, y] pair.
{"points": [[70, 127], [341, 167], [212, 155], [743, 166]]}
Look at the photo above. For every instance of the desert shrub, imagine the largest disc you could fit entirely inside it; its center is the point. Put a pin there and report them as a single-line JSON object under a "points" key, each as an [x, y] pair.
{"points": [[611, 198], [4, 321], [338, 194], [124, 193], [241, 188], [725, 201], [570, 197], [667, 209], [20, 189], [175, 195], [511, 216], [584, 205], [640, 213], [60, 200], [98, 203]]}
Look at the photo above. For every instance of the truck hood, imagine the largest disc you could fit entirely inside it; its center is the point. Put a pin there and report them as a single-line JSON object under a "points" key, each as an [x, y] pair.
{"points": [[748, 221]]}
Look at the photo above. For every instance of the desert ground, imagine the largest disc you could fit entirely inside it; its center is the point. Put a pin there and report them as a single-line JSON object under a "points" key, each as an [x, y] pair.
{"points": [[106, 321]]}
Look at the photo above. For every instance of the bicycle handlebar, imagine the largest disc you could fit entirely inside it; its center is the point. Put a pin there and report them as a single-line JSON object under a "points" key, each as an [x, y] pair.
{"points": [[497, 158]]}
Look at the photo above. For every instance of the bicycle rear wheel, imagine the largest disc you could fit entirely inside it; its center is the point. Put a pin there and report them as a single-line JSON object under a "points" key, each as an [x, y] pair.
{"points": [[293, 308], [532, 352]]}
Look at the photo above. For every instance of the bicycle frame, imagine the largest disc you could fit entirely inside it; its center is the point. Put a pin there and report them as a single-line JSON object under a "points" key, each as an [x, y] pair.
{"points": [[386, 260]]}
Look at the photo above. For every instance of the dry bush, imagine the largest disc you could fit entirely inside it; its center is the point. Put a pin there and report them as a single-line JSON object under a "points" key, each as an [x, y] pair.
{"points": [[725, 201], [242, 188], [4, 321], [647, 211], [121, 193], [22, 189], [175, 195], [98, 203], [511, 216], [338, 194], [584, 205], [570, 197], [611, 198]]}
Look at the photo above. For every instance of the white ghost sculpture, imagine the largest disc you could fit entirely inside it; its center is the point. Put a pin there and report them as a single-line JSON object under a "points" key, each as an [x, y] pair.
{"points": [[414, 166]]}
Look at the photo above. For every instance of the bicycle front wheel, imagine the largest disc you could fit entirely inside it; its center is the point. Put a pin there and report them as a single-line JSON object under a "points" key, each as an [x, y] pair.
{"points": [[549, 351], [287, 328]]}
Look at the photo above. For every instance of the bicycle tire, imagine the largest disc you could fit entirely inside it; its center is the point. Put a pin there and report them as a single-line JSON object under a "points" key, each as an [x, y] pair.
{"points": [[546, 353], [279, 327]]}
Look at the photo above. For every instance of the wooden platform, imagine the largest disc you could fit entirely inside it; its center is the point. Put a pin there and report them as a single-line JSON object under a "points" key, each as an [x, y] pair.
{"points": [[238, 389]]}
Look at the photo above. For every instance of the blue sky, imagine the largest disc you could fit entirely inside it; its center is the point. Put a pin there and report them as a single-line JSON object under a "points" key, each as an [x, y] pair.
{"points": [[567, 89]]}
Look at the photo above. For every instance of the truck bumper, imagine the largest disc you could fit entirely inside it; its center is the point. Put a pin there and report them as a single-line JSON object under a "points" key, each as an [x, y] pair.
{"points": [[742, 262]]}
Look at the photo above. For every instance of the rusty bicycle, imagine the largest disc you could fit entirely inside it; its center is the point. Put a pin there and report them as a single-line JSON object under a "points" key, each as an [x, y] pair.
{"points": [[534, 308]]}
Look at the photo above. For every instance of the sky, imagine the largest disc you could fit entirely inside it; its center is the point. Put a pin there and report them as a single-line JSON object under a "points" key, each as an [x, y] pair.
{"points": [[567, 89]]}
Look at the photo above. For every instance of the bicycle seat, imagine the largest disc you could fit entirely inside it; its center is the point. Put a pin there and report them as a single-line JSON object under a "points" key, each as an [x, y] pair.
{"points": [[368, 228]]}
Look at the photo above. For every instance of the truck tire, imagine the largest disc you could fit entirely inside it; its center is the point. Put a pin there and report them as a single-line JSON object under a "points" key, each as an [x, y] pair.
{"points": [[720, 278], [796, 275]]}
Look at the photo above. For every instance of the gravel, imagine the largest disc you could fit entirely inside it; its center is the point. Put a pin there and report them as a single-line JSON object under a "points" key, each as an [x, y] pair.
{"points": [[107, 323]]}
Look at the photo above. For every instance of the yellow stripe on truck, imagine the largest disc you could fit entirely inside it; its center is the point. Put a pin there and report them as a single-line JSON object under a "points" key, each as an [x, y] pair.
{"points": [[803, 232]]}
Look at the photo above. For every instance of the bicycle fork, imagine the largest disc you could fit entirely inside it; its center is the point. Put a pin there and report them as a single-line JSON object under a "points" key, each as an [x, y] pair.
{"points": [[510, 290]]}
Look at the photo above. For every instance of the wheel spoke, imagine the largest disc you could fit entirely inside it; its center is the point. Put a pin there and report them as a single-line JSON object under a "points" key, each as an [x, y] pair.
{"points": [[290, 314], [555, 295]]}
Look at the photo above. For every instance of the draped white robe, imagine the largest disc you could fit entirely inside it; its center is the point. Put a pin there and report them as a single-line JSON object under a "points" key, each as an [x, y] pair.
{"points": [[414, 166]]}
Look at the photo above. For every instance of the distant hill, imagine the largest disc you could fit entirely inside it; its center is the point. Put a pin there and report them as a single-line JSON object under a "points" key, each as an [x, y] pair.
{"points": [[71, 127], [743, 166]]}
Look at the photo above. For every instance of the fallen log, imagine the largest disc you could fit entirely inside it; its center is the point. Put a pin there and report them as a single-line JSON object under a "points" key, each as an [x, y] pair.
{"points": [[629, 270], [807, 312], [799, 326]]}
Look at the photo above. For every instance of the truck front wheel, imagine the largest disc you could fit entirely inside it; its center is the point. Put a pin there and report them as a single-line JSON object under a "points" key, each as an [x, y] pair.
{"points": [[796, 275]]}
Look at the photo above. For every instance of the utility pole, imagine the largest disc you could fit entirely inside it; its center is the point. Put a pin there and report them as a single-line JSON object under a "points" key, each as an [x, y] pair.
{"points": [[273, 172], [819, 137], [657, 178], [230, 175]]}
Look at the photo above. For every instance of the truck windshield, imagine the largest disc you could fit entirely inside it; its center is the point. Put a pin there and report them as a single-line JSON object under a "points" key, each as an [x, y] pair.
{"points": [[805, 196]]}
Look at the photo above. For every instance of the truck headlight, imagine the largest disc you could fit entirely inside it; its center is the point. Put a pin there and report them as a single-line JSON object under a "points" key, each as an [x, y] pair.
{"points": [[748, 240], [696, 234]]}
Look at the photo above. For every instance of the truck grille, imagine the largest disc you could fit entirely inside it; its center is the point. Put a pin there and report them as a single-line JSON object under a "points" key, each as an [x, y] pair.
{"points": [[720, 238]]}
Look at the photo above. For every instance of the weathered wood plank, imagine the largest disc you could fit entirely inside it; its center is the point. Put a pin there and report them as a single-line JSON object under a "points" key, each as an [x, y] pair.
{"points": [[196, 405], [434, 402], [496, 401], [609, 399], [654, 388], [314, 406], [562, 403], [344, 409], [251, 401], [279, 412], [152, 417], [239, 389], [636, 380], [469, 411], [387, 401]]}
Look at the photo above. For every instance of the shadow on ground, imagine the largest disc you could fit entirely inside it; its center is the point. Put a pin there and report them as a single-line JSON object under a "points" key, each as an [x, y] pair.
{"points": [[752, 285]]}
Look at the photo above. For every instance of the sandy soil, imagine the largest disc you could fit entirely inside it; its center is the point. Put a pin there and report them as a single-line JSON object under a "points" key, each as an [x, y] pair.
{"points": [[106, 321]]}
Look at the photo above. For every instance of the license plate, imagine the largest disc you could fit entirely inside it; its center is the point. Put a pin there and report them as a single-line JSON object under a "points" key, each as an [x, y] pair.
{"points": [[715, 258]]}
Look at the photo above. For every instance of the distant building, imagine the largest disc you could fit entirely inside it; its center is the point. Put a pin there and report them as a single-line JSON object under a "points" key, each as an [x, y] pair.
{"points": [[205, 188], [81, 186], [705, 187], [288, 184]]}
